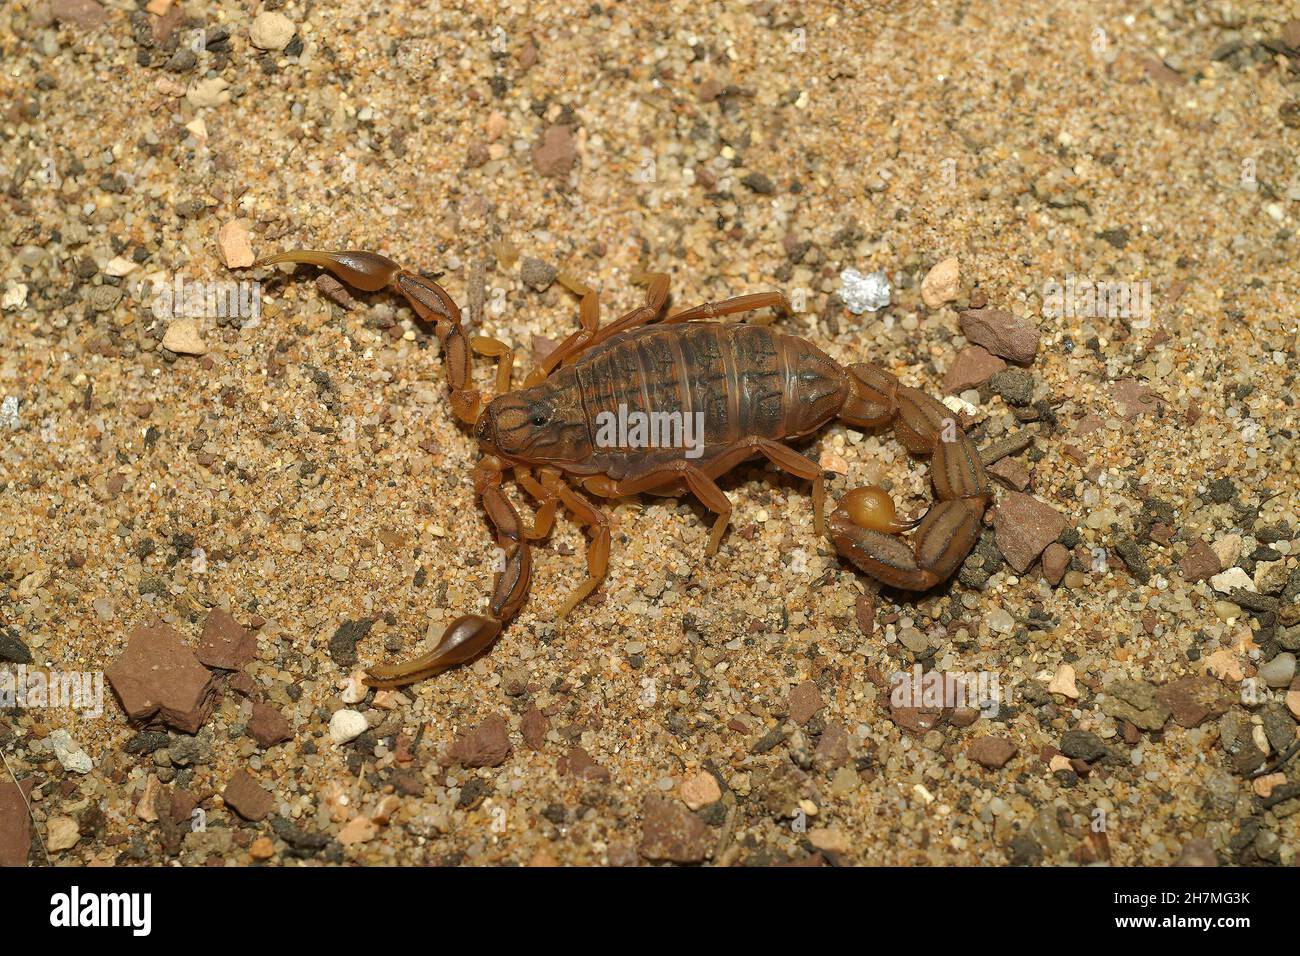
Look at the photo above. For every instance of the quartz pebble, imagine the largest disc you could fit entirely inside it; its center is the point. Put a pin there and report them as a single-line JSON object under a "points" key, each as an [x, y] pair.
{"points": [[347, 725]]}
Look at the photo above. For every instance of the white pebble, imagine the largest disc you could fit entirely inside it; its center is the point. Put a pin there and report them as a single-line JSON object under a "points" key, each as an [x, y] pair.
{"points": [[347, 725]]}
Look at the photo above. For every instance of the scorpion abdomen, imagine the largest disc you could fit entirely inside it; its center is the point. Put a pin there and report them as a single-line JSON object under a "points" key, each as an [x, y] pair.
{"points": [[733, 381]]}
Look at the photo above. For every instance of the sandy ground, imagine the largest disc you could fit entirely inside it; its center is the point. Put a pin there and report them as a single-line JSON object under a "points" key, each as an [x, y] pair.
{"points": [[305, 472]]}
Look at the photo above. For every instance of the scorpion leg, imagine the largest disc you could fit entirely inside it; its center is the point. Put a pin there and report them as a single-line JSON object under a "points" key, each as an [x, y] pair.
{"points": [[591, 334], [741, 303], [801, 466], [471, 634], [370, 272], [701, 485], [585, 513], [864, 525], [504, 354]]}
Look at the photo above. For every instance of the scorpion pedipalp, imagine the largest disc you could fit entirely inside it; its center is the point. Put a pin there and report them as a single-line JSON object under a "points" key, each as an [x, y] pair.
{"points": [[864, 524]]}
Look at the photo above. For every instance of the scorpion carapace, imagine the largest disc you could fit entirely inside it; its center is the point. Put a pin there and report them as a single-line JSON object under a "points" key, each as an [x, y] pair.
{"points": [[747, 389]]}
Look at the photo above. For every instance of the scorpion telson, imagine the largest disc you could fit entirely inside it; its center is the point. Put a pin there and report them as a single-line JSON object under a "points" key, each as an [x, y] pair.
{"points": [[757, 389]]}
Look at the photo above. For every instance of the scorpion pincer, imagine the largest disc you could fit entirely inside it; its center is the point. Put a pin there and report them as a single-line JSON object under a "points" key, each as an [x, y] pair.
{"points": [[756, 388]]}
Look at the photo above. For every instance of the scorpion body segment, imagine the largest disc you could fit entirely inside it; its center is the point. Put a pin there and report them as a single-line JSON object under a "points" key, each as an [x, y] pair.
{"points": [[732, 392]]}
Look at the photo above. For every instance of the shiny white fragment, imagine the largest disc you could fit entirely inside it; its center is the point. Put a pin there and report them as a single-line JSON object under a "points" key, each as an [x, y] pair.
{"points": [[9, 413], [864, 293]]}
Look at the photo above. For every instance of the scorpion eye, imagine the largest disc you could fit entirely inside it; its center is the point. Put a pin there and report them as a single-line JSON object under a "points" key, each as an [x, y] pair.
{"points": [[539, 417]]}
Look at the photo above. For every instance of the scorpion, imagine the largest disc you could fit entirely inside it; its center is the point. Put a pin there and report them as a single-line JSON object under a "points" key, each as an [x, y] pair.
{"points": [[757, 388]]}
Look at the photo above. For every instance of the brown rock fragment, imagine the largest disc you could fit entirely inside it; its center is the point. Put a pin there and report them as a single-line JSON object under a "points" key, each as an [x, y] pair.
{"points": [[247, 797], [1024, 527], [158, 678], [1195, 699], [671, 832], [533, 726], [1056, 560], [584, 768], [1001, 333], [268, 726], [81, 13], [224, 644], [15, 823], [556, 152], [973, 366], [805, 700], [486, 745], [1199, 563], [991, 752], [1011, 472]]}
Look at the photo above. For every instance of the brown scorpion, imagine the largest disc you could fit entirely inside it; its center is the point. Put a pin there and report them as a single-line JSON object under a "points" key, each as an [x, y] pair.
{"points": [[757, 389]]}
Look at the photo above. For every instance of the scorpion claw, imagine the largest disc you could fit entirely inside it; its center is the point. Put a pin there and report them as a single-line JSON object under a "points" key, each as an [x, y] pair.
{"points": [[465, 638], [943, 539]]}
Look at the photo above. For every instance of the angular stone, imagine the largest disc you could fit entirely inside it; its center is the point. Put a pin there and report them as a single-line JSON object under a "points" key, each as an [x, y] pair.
{"points": [[486, 745], [805, 700], [1024, 527], [991, 752], [556, 152], [1011, 472], [247, 797], [158, 679], [1199, 563], [268, 726], [973, 366], [224, 644], [1001, 333], [671, 832], [1194, 700], [1135, 701], [533, 725], [584, 768]]}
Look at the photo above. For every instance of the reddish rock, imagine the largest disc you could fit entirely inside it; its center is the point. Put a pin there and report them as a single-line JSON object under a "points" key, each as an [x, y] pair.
{"points": [[1024, 526], [268, 726], [1001, 333], [556, 152], [1199, 563], [1056, 560], [671, 832], [224, 644], [584, 768], [833, 749], [1134, 398], [991, 752], [1012, 472], [15, 823], [247, 797], [805, 700], [183, 805], [158, 679], [1194, 700], [486, 745], [533, 725], [81, 13], [973, 366], [915, 720]]}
